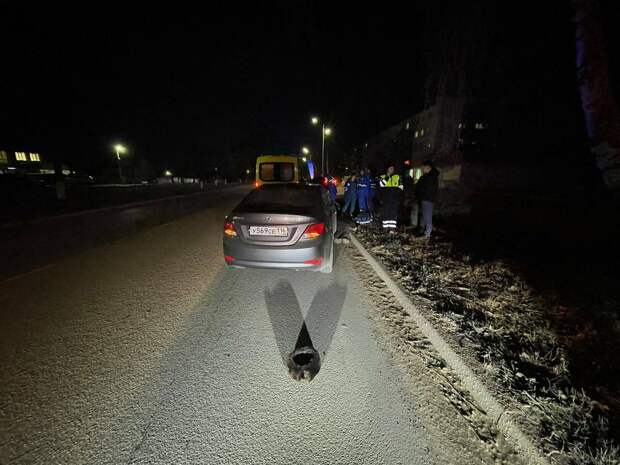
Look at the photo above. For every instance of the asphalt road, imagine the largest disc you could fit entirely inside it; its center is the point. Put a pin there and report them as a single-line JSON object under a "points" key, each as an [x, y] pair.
{"points": [[148, 351]]}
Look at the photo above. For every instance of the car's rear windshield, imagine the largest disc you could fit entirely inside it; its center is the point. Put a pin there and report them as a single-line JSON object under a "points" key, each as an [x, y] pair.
{"points": [[278, 172], [282, 197]]}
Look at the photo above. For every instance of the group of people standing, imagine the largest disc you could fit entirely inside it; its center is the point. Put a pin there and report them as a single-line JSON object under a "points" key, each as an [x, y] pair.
{"points": [[360, 191], [387, 192]]}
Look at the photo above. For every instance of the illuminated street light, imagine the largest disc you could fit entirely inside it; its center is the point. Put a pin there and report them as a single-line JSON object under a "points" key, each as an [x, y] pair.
{"points": [[305, 150], [167, 173], [324, 132], [118, 148], [304, 159]]}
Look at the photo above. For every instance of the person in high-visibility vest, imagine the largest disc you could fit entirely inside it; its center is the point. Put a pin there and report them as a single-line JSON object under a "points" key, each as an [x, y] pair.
{"points": [[391, 187]]}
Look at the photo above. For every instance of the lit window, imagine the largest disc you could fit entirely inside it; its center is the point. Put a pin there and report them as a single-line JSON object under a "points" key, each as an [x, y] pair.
{"points": [[422, 132], [3, 157], [20, 156], [407, 126], [366, 144], [35, 157], [418, 173], [460, 125], [417, 133]]}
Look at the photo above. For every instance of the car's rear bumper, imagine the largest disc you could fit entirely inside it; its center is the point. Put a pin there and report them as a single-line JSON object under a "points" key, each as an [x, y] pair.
{"points": [[245, 255]]}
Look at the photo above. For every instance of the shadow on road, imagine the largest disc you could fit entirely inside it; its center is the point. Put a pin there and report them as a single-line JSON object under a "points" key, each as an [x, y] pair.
{"points": [[294, 334]]}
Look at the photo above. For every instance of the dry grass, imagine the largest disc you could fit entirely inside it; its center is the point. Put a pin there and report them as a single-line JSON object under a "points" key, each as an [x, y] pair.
{"points": [[534, 341]]}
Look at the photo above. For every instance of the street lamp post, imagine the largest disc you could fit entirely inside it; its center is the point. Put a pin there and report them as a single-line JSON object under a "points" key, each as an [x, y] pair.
{"points": [[118, 148], [325, 131]]}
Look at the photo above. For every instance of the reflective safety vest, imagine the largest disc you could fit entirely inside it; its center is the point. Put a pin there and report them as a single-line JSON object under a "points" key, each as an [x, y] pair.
{"points": [[391, 181]]}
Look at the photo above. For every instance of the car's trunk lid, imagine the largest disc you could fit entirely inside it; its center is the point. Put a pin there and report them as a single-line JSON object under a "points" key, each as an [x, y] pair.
{"points": [[271, 228]]}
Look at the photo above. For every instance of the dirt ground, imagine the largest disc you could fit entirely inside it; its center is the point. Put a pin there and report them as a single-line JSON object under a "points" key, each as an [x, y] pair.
{"points": [[532, 288]]}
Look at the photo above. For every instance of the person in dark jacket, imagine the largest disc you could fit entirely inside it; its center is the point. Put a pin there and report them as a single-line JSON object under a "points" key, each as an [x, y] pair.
{"points": [[426, 191], [332, 187], [409, 201], [363, 197], [350, 195]]}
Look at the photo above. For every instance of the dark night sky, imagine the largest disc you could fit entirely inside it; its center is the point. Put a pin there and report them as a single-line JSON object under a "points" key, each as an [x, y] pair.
{"points": [[169, 83], [178, 83]]}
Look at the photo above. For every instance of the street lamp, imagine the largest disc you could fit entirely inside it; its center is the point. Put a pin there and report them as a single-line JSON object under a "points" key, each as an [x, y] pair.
{"points": [[305, 150], [167, 173], [304, 159], [118, 148], [324, 132]]}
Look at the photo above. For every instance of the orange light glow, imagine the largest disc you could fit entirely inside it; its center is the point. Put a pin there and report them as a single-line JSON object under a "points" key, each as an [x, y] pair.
{"points": [[229, 229]]}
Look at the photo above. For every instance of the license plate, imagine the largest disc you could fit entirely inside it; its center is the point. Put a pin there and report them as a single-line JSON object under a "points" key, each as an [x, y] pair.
{"points": [[280, 231]]}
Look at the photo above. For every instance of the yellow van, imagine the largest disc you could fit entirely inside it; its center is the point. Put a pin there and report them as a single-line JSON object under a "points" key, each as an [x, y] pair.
{"points": [[279, 169]]}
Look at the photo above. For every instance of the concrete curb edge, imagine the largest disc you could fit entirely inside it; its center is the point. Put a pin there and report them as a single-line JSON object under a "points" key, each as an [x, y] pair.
{"points": [[495, 411]]}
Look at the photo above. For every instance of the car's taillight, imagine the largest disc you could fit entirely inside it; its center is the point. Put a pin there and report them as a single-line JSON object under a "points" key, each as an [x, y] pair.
{"points": [[314, 230], [257, 184], [228, 258], [314, 261], [229, 229]]}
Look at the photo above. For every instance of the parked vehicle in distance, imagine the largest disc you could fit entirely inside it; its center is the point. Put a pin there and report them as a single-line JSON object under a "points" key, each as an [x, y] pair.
{"points": [[272, 169], [288, 226]]}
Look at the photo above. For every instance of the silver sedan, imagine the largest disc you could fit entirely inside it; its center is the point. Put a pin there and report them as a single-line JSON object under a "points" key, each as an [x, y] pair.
{"points": [[288, 226]]}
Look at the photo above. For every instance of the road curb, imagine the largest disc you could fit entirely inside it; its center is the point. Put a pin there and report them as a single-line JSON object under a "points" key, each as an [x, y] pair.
{"points": [[496, 412]]}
